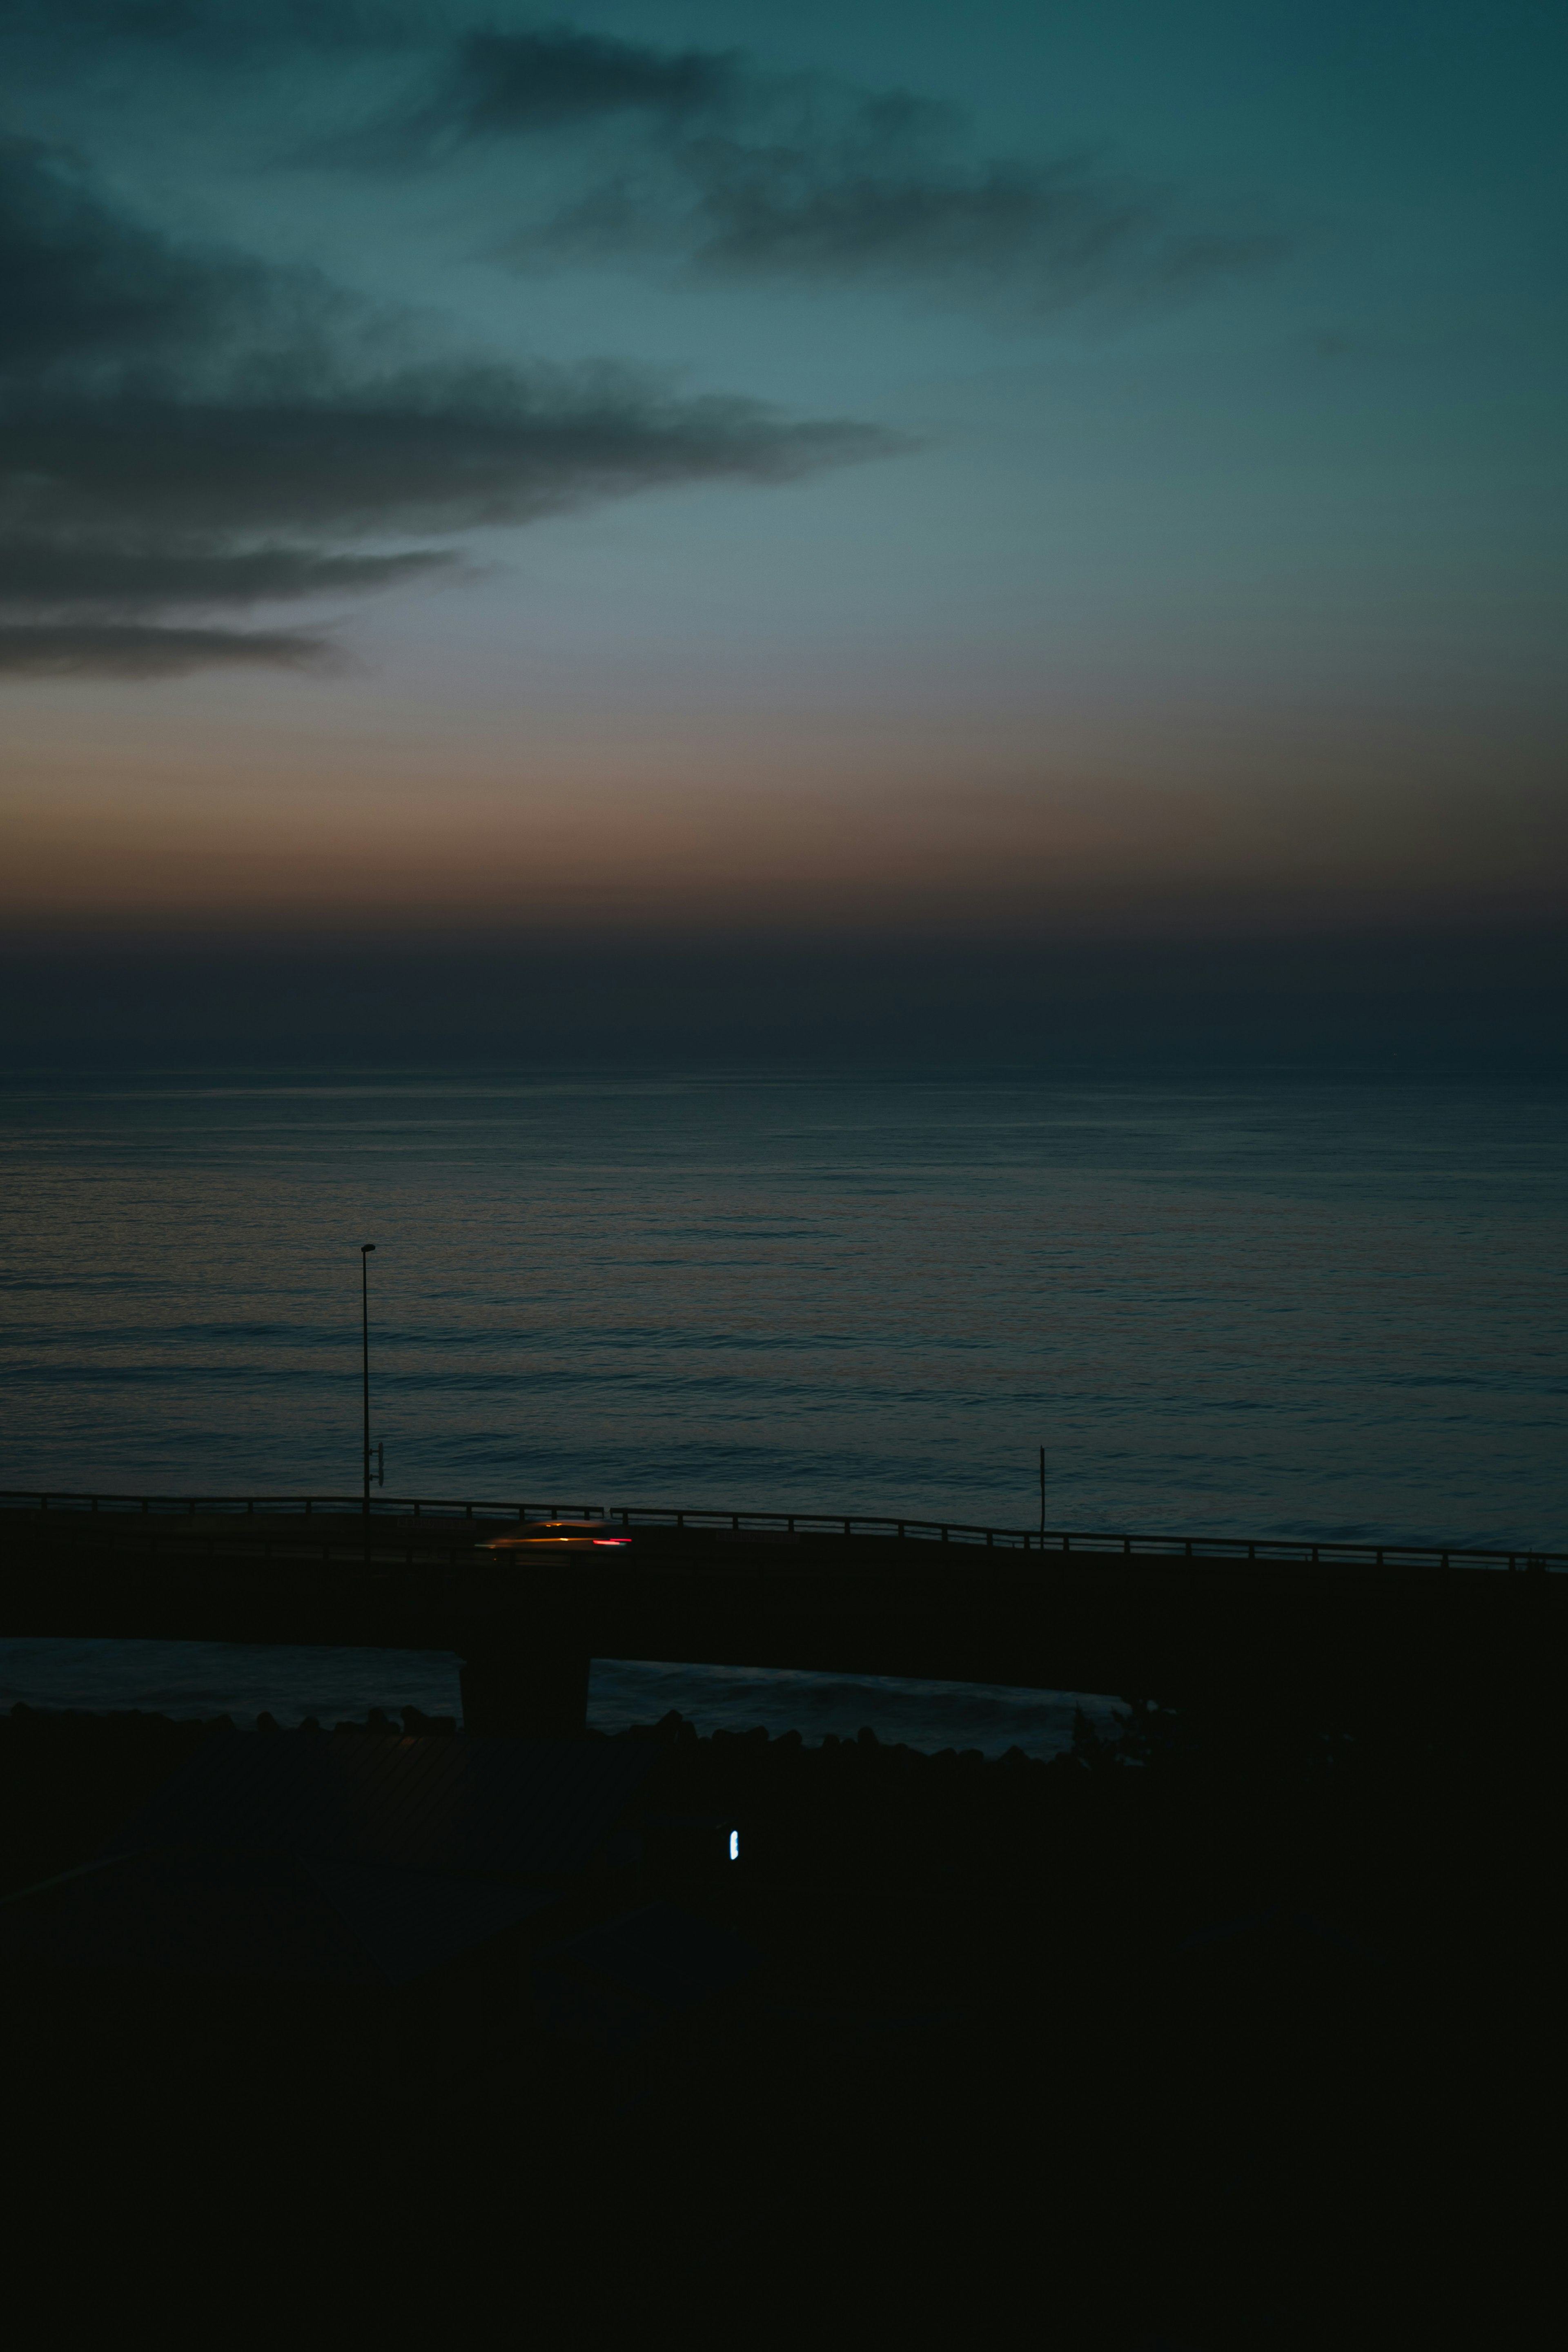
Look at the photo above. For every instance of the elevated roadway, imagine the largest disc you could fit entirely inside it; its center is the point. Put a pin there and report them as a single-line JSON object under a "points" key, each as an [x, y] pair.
{"points": [[1143, 1616]]}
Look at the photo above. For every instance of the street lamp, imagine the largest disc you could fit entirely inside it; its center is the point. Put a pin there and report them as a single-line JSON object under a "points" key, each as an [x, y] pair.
{"points": [[365, 1249]]}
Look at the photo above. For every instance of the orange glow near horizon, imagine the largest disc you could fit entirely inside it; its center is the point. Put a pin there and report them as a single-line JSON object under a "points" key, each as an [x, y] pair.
{"points": [[703, 858], [329, 808]]}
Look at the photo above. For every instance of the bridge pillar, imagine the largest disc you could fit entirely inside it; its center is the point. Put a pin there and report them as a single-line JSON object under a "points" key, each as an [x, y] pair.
{"points": [[535, 1690]]}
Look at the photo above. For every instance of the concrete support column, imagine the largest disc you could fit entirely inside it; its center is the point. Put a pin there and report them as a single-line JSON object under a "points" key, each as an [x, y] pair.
{"points": [[534, 1690]]}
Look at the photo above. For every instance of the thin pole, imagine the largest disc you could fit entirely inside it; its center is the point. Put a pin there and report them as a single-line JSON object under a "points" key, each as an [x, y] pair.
{"points": [[365, 1249], [1043, 1490]]}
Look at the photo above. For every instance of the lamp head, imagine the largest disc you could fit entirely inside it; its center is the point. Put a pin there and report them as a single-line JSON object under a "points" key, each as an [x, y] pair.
{"points": [[364, 1246]]}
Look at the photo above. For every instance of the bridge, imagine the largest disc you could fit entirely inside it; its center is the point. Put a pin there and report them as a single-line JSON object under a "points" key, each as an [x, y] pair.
{"points": [[1132, 1613]]}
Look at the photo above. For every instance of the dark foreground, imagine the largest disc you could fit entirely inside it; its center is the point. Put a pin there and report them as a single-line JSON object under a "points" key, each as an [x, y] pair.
{"points": [[1251, 2036]]}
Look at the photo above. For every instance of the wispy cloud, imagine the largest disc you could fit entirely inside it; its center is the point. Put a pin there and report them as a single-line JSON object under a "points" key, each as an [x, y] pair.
{"points": [[185, 429], [708, 162], [705, 159], [137, 650], [499, 85], [125, 573]]}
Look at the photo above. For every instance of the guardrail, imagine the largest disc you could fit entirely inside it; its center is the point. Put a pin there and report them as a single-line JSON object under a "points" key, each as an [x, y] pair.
{"points": [[1071, 1542], [1086, 1541]]}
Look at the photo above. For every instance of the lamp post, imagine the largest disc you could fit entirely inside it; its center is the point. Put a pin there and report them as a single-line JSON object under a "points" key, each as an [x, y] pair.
{"points": [[365, 1249]]}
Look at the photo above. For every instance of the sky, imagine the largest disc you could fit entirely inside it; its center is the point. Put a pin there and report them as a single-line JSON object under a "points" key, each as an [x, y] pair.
{"points": [[897, 510]]}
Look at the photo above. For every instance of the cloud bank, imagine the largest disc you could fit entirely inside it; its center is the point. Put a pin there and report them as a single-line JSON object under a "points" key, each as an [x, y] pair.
{"points": [[188, 434], [1490, 1007], [188, 431]]}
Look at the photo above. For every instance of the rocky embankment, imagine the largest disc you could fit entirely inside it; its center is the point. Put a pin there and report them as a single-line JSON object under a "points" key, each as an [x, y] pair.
{"points": [[1243, 2032]]}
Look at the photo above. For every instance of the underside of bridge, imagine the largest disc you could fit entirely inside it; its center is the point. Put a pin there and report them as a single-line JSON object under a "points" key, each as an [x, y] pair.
{"points": [[526, 1624]]}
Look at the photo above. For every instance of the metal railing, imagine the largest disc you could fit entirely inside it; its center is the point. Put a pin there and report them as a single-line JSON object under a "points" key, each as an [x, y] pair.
{"points": [[1053, 1542], [1091, 1541]]}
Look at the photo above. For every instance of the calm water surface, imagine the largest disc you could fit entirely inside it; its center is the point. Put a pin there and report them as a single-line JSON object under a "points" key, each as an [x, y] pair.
{"points": [[1259, 1308]]}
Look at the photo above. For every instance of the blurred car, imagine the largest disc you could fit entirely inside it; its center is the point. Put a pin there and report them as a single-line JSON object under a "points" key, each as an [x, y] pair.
{"points": [[571, 1535]]}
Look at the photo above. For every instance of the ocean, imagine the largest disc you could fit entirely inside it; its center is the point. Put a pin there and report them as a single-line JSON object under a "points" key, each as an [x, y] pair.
{"points": [[1230, 1305]]}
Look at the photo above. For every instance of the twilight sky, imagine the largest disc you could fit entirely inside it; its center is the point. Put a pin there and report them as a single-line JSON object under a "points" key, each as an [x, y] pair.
{"points": [[1004, 474]]}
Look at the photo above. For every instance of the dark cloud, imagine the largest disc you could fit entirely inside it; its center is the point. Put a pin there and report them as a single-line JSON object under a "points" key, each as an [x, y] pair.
{"points": [[182, 429], [60, 573], [82, 287], [1041, 238], [509, 82], [495, 85], [435, 449], [95, 992], [704, 159], [742, 173], [132, 650]]}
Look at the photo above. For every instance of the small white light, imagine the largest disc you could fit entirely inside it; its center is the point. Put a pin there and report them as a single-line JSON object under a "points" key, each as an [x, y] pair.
{"points": [[735, 1846]]}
